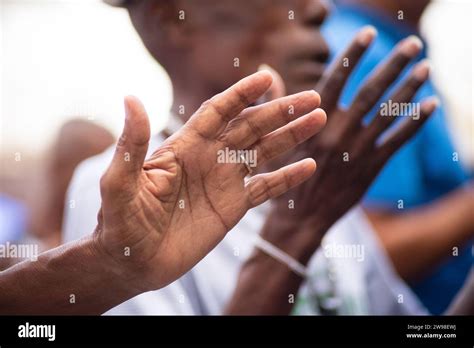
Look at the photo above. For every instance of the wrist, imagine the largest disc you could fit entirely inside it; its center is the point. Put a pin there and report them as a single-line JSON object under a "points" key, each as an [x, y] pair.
{"points": [[124, 274], [296, 236]]}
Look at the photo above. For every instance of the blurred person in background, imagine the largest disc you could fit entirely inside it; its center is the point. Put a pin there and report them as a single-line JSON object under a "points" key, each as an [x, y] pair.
{"points": [[39, 220], [77, 140], [422, 203], [205, 47]]}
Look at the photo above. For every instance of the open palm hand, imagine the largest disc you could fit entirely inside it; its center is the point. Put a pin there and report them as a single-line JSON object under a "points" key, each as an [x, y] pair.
{"points": [[159, 217]]}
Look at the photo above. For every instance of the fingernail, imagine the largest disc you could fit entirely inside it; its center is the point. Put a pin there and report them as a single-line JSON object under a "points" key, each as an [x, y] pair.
{"points": [[366, 35], [309, 163], [430, 104], [411, 46], [422, 70], [323, 114]]}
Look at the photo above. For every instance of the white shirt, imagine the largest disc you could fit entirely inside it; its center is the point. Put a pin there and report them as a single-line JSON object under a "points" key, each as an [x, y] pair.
{"points": [[365, 282]]}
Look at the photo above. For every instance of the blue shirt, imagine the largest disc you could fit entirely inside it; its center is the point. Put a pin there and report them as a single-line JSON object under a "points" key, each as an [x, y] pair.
{"points": [[423, 169], [12, 220]]}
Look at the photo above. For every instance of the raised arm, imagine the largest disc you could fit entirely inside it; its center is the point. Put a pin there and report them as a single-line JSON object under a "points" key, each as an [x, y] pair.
{"points": [[160, 216], [349, 156]]}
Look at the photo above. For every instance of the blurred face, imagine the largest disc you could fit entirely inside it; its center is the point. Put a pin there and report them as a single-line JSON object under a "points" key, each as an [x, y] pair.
{"points": [[226, 40]]}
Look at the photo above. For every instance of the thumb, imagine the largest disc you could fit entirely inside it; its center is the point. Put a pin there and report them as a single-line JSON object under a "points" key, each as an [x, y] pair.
{"points": [[132, 145], [277, 88]]}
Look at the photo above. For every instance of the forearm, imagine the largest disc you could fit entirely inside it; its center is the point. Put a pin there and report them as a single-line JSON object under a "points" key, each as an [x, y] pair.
{"points": [[418, 240], [265, 285], [72, 279]]}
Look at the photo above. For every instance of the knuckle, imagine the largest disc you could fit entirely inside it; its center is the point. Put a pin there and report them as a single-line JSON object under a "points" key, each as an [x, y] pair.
{"points": [[259, 191], [206, 105], [366, 98], [406, 92], [254, 127], [108, 183], [122, 140], [243, 98]]}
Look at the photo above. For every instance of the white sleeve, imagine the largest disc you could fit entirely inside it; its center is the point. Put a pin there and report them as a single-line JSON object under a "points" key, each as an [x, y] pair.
{"points": [[171, 300], [83, 197], [388, 293], [366, 282]]}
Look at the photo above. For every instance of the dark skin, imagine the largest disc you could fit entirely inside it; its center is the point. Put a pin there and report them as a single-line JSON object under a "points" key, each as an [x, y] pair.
{"points": [[164, 246], [435, 228], [215, 32], [344, 182], [203, 47], [144, 240]]}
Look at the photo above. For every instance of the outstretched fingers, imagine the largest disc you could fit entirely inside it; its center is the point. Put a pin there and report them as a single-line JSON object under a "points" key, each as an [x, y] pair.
{"points": [[335, 78], [407, 129], [263, 187], [256, 122], [401, 96], [287, 137], [384, 75], [214, 114]]}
